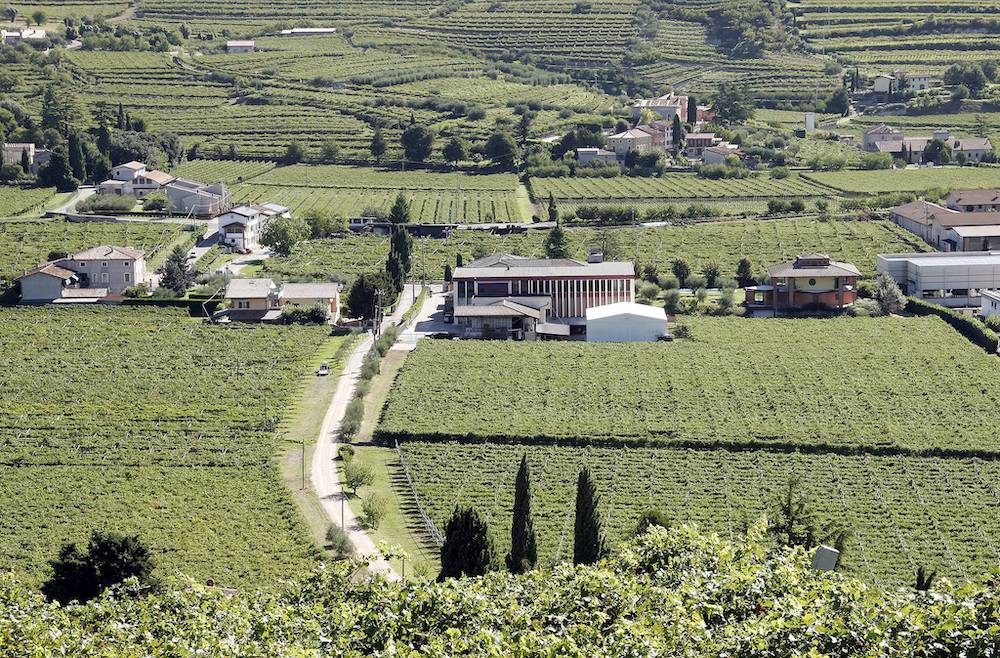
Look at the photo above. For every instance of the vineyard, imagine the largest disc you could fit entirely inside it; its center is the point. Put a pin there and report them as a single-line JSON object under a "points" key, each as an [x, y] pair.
{"points": [[152, 423], [25, 244], [740, 382], [908, 180], [229, 172], [904, 511], [763, 242], [17, 201]]}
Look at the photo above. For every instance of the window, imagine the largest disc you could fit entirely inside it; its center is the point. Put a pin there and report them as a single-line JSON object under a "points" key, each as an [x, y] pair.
{"points": [[812, 282], [104, 277], [758, 298], [104, 264], [127, 277], [242, 303], [126, 263], [82, 264]]}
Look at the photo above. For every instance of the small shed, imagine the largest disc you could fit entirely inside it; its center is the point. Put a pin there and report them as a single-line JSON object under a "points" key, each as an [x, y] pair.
{"points": [[233, 47], [625, 322]]}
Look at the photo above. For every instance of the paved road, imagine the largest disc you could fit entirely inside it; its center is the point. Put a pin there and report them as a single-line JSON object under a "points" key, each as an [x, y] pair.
{"points": [[429, 320], [237, 264], [84, 192], [325, 475]]}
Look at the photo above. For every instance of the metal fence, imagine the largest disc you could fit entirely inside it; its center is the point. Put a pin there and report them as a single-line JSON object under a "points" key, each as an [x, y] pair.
{"points": [[428, 524]]}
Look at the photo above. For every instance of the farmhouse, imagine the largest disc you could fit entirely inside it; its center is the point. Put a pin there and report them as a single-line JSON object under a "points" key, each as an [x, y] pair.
{"points": [[717, 154], [14, 153], [667, 107], [947, 229], [955, 280], [586, 155], [234, 47], [883, 139], [974, 200], [133, 179], [625, 322], [990, 305], [88, 275], [811, 281], [659, 131], [630, 140], [505, 296], [241, 227], [190, 197], [326, 295], [14, 37]]}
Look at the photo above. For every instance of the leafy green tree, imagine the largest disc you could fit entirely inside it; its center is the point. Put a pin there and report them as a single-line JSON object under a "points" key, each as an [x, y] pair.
{"points": [[281, 234], [175, 274], [733, 103], [711, 272], [588, 537], [329, 151], [468, 547], [323, 224], [681, 270], [361, 297], [417, 142], [374, 507], [456, 150], [295, 152], [357, 474], [744, 273], [378, 146], [10, 13], [938, 152], [502, 149], [60, 108], [39, 17], [557, 243], [523, 549], [888, 295], [553, 211], [110, 558], [794, 522], [400, 212], [839, 101], [57, 172], [9, 81]]}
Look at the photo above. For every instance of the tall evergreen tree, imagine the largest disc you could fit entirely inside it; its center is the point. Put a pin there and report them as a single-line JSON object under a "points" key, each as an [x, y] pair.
{"points": [[401, 244], [588, 538], [523, 550], [57, 172], [76, 158], [744, 273], [395, 271], [467, 548], [378, 145], [400, 213], [557, 243], [692, 110], [25, 161], [120, 122], [553, 211], [677, 133]]}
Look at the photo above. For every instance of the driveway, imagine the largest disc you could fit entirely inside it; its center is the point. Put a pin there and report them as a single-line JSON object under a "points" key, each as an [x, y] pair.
{"points": [[82, 192], [429, 320]]}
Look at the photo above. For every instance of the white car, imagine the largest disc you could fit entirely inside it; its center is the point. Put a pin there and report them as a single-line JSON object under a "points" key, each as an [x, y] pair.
{"points": [[324, 369]]}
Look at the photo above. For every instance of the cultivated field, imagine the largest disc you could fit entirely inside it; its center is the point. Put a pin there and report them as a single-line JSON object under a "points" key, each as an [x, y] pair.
{"points": [[16, 201], [908, 180], [152, 423], [25, 244]]}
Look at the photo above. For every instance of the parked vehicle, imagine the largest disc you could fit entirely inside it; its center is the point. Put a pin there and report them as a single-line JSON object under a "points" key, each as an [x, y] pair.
{"points": [[324, 369]]}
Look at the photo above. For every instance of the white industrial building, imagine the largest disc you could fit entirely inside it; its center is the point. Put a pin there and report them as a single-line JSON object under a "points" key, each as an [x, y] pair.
{"points": [[949, 279], [990, 305], [625, 322]]}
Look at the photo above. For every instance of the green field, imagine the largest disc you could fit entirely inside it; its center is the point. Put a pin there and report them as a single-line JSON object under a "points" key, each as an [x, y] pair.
{"points": [[112, 435], [764, 242], [740, 382], [673, 186], [16, 201], [709, 429], [25, 244], [908, 180]]}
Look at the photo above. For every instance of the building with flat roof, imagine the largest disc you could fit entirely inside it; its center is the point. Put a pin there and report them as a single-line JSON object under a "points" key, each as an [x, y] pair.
{"points": [[949, 279], [245, 46], [505, 296]]}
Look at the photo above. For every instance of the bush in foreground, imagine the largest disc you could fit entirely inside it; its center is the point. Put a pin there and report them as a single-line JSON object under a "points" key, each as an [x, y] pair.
{"points": [[675, 592]]}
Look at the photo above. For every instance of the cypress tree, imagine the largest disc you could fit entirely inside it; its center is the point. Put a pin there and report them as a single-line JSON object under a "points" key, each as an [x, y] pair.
{"points": [[76, 159], [120, 122], [692, 114], [677, 132], [25, 161], [468, 548], [553, 211], [588, 539], [523, 550], [401, 244]]}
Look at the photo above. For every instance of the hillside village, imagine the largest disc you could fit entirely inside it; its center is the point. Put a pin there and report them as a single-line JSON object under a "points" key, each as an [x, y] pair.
{"points": [[465, 310]]}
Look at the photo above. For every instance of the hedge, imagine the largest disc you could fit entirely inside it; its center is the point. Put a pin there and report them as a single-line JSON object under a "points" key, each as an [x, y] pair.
{"points": [[973, 329]]}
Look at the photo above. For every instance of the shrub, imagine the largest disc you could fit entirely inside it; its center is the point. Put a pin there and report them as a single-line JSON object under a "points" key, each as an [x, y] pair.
{"points": [[352, 417], [339, 542], [294, 314], [156, 201], [374, 507], [106, 203], [779, 172], [346, 453], [358, 474], [682, 331]]}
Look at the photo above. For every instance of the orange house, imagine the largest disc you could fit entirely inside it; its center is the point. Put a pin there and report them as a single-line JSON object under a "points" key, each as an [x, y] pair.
{"points": [[812, 281]]}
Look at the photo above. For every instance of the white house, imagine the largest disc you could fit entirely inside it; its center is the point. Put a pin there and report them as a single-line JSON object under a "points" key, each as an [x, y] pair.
{"points": [[991, 304], [133, 179], [241, 227], [586, 155], [234, 47], [625, 322], [885, 84], [14, 37], [630, 140], [45, 283], [974, 200], [667, 107], [916, 82]]}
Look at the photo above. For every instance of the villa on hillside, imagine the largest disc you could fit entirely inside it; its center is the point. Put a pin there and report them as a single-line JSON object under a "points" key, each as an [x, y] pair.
{"points": [[948, 229], [811, 281], [133, 179], [667, 107], [886, 139], [514, 297], [88, 275]]}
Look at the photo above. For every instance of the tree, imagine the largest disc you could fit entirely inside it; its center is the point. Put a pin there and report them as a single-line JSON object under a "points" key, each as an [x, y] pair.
{"points": [[557, 243], [501, 148], [692, 110], [524, 126], [378, 146], [711, 272], [25, 161], [361, 302], [395, 271], [888, 295], [175, 275], [358, 474], [323, 224], [839, 101], [400, 213], [456, 150], [733, 103], [57, 172], [924, 579], [295, 152], [938, 152], [39, 17], [109, 559], [744, 273], [374, 507], [553, 211], [329, 151], [283, 233], [9, 80], [793, 522], [588, 538], [10, 13], [677, 133], [76, 159], [523, 550], [339, 542], [401, 244], [650, 518], [681, 270], [417, 142], [60, 109], [468, 547]]}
